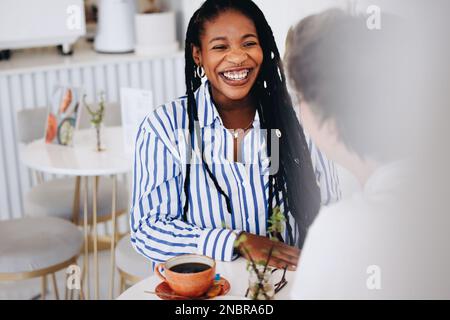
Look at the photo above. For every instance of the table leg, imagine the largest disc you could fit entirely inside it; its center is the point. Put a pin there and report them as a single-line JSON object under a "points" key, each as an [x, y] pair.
{"points": [[43, 287], [76, 201], [113, 240], [94, 224], [86, 237], [55, 286], [129, 185]]}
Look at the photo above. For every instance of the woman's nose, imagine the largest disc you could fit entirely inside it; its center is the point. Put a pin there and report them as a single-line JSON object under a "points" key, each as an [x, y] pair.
{"points": [[237, 56]]}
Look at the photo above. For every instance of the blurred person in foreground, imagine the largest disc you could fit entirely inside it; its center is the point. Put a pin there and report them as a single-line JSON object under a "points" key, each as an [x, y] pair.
{"points": [[360, 94]]}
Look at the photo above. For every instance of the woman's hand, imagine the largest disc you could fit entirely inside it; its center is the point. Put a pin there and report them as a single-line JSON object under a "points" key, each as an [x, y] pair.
{"points": [[259, 248]]}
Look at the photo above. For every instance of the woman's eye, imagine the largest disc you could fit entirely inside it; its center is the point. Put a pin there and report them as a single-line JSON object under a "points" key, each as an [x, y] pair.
{"points": [[250, 44], [219, 47]]}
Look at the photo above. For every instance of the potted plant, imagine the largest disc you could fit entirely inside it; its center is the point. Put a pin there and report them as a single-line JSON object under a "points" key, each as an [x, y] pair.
{"points": [[155, 29]]}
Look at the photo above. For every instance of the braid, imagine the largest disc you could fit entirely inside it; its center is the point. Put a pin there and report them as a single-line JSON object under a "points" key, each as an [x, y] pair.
{"points": [[295, 178], [192, 84]]}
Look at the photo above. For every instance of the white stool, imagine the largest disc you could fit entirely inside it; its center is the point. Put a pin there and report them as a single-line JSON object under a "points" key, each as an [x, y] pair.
{"points": [[38, 247], [132, 266]]}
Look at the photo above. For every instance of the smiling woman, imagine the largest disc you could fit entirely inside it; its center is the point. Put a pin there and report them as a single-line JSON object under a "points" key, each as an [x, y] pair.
{"points": [[231, 56], [204, 177]]}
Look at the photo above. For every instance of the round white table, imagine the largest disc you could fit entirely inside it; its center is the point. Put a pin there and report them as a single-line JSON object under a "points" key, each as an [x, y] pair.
{"points": [[83, 161], [235, 272]]}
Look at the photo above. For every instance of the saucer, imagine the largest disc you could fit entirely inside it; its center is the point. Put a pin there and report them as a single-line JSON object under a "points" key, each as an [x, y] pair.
{"points": [[163, 291]]}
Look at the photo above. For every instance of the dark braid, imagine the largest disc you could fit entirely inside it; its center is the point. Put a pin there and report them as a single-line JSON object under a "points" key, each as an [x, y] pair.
{"points": [[295, 179], [192, 84]]}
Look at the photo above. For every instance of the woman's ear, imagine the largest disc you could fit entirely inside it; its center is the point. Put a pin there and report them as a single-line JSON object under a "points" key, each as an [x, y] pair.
{"points": [[197, 55]]}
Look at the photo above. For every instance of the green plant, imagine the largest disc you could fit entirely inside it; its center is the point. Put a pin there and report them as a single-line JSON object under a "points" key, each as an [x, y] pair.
{"points": [[276, 223], [97, 117]]}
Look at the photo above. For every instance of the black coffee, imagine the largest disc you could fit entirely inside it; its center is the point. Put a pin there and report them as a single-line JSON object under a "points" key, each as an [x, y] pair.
{"points": [[190, 267]]}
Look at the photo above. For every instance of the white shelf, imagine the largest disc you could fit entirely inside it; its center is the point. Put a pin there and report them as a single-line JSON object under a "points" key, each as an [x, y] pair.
{"points": [[47, 58]]}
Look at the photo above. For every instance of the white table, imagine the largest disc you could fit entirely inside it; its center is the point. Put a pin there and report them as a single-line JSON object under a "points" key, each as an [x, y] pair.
{"points": [[235, 272], [83, 161]]}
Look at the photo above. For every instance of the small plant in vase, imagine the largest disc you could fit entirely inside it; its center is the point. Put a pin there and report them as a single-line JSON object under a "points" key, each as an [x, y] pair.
{"points": [[261, 286], [97, 118]]}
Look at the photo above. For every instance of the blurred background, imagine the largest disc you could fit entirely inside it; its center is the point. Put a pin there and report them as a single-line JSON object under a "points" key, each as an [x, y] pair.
{"points": [[102, 49], [110, 46], [92, 46]]}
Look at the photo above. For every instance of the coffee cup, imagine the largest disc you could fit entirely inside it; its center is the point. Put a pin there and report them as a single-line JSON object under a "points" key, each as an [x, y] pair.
{"points": [[188, 275]]}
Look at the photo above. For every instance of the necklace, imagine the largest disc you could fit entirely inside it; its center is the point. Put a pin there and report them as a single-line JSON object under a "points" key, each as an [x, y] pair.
{"points": [[236, 131]]}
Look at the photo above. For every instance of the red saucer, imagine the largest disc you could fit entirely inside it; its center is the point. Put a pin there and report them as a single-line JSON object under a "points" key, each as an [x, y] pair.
{"points": [[164, 292]]}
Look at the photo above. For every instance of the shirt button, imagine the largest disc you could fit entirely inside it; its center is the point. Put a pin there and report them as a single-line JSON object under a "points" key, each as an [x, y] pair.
{"points": [[244, 183]]}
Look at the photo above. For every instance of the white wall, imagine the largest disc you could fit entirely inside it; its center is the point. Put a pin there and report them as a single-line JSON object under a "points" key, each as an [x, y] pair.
{"points": [[280, 14], [184, 10]]}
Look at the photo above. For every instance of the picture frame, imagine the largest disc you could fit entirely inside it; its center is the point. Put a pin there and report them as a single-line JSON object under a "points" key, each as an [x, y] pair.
{"points": [[63, 115]]}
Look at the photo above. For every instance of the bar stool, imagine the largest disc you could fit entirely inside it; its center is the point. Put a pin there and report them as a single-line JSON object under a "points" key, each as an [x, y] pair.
{"points": [[132, 266], [38, 247]]}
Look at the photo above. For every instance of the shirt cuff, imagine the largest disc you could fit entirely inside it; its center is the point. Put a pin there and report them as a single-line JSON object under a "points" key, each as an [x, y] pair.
{"points": [[217, 244]]}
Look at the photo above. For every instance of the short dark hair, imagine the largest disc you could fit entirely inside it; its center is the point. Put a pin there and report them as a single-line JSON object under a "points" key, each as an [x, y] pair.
{"points": [[352, 75]]}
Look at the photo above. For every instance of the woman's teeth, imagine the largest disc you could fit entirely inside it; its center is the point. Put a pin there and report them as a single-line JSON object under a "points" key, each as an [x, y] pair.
{"points": [[241, 75]]}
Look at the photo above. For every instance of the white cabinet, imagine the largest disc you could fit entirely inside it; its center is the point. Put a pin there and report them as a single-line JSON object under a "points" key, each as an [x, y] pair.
{"points": [[36, 23]]}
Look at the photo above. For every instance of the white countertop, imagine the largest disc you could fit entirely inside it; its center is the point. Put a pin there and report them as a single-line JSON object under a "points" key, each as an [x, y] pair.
{"points": [[48, 58]]}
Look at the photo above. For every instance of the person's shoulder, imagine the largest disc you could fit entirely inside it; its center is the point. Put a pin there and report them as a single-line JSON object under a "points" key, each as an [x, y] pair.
{"points": [[166, 119], [164, 123], [340, 218]]}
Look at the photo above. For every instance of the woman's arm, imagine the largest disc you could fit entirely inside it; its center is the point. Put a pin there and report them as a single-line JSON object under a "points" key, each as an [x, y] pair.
{"points": [[158, 230]]}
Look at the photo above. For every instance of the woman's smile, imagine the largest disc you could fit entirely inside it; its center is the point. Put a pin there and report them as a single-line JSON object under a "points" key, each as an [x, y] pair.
{"points": [[236, 76]]}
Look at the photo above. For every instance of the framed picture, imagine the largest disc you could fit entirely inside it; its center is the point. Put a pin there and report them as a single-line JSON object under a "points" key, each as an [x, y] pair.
{"points": [[63, 115]]}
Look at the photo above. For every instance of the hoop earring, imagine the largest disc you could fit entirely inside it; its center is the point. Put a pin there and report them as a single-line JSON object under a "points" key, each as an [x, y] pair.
{"points": [[200, 72]]}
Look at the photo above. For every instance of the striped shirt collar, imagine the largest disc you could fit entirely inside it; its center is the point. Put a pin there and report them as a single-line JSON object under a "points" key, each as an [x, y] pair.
{"points": [[207, 111]]}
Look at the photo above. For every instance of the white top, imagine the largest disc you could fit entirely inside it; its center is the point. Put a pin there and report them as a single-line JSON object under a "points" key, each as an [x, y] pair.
{"points": [[235, 272], [379, 244], [82, 159]]}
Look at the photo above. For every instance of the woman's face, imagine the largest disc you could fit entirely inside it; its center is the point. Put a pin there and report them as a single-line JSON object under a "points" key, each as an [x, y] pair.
{"points": [[231, 55]]}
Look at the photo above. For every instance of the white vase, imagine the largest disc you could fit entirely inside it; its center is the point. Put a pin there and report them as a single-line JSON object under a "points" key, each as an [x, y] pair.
{"points": [[155, 33], [115, 32]]}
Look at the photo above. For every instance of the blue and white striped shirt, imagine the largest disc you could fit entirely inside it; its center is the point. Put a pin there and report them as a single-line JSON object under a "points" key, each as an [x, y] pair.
{"points": [[158, 230]]}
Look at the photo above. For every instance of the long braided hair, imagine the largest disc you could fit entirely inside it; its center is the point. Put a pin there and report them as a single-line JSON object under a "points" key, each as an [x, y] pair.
{"points": [[295, 178]]}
